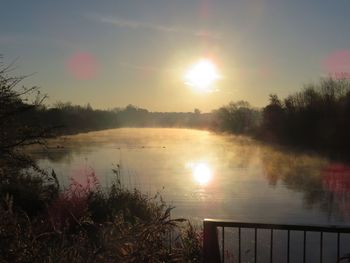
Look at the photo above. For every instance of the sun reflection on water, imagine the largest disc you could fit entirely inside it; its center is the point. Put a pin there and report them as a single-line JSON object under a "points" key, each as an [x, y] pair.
{"points": [[201, 172]]}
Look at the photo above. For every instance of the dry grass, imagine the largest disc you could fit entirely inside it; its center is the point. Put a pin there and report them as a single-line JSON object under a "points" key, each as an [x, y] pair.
{"points": [[85, 224]]}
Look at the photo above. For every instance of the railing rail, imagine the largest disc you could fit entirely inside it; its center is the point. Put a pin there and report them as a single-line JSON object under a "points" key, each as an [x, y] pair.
{"points": [[211, 248]]}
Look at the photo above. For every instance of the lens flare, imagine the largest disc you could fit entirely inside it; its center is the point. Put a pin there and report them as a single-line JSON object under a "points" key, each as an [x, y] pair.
{"points": [[83, 66]]}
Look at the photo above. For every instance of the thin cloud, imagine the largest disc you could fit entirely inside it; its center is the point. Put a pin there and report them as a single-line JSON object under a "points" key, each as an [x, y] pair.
{"points": [[134, 24]]}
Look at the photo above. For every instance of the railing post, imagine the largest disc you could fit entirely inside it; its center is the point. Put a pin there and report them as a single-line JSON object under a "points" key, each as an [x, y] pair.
{"points": [[211, 250]]}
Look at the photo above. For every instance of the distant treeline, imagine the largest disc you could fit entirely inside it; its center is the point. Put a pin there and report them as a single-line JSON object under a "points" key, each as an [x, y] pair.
{"points": [[75, 118], [236, 117], [317, 118], [68, 118], [132, 116]]}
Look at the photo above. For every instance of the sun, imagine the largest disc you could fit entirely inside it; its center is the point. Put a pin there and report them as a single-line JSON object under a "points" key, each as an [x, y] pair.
{"points": [[202, 76]]}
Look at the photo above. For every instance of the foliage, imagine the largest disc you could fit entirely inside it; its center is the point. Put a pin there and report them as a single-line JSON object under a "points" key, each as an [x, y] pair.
{"points": [[315, 118], [30, 193], [237, 117], [19, 127], [191, 243], [75, 118], [134, 228]]}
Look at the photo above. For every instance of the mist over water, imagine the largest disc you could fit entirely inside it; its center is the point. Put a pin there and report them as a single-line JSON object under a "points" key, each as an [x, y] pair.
{"points": [[208, 175]]}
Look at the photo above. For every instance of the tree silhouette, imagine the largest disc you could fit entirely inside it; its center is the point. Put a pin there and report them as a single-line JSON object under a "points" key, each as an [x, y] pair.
{"points": [[19, 120], [315, 118], [238, 117]]}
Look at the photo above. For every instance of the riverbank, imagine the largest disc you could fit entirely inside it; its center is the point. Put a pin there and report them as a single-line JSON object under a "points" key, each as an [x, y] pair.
{"points": [[41, 222]]}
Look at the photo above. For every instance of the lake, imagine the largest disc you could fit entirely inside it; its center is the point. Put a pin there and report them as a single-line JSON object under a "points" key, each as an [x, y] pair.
{"points": [[208, 175]]}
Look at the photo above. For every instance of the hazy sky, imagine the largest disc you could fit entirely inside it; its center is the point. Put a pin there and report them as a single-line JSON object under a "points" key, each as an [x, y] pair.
{"points": [[114, 53]]}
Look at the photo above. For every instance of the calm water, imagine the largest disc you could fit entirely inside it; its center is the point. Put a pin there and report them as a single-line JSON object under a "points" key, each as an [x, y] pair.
{"points": [[204, 174]]}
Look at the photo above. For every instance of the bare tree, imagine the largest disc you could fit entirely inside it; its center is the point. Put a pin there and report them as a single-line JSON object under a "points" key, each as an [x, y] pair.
{"points": [[18, 106]]}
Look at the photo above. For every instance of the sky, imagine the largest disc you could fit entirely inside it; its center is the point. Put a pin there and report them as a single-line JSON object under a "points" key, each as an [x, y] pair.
{"points": [[116, 52]]}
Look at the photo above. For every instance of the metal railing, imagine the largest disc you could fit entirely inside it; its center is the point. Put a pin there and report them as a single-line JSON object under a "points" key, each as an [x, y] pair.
{"points": [[213, 252]]}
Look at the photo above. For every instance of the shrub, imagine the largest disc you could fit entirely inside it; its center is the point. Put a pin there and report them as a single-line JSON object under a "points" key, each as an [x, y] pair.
{"points": [[87, 224], [31, 193]]}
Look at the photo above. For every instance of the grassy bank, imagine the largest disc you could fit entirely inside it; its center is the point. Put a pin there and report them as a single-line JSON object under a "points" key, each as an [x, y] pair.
{"points": [[40, 222]]}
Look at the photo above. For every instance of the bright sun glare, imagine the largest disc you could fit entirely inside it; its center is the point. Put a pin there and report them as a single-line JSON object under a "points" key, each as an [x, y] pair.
{"points": [[202, 173], [202, 75]]}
